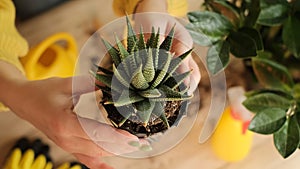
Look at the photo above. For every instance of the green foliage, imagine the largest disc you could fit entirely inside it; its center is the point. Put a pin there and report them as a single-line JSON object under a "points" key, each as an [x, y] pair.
{"points": [[143, 75], [267, 33]]}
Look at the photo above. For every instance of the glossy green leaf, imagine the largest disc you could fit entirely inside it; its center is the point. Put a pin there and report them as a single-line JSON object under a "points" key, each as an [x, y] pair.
{"points": [[198, 36], [296, 92], [211, 24], [268, 121], [286, 140], [231, 7], [264, 101], [255, 35], [271, 74], [241, 45], [291, 35], [272, 15], [218, 57]]}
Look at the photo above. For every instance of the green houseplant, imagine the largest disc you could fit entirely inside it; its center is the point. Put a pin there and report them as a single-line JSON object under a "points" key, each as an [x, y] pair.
{"points": [[265, 34], [142, 91]]}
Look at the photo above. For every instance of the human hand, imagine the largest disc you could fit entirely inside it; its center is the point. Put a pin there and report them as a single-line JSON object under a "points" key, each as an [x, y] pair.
{"points": [[48, 105], [144, 16]]}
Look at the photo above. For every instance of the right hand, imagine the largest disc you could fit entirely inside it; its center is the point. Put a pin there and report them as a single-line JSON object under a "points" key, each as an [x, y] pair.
{"points": [[48, 105]]}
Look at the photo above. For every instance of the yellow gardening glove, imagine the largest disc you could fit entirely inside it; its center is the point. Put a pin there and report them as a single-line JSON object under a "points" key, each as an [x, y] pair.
{"points": [[72, 165], [12, 44], [29, 156]]}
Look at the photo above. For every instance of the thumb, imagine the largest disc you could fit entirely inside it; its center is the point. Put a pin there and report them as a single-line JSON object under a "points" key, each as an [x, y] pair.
{"points": [[78, 85]]}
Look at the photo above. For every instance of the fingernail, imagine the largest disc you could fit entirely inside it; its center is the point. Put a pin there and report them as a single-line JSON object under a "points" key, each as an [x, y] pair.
{"points": [[145, 148], [134, 143]]}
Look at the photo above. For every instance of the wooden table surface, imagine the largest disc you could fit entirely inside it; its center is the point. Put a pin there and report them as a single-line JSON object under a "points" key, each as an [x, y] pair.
{"points": [[83, 17]]}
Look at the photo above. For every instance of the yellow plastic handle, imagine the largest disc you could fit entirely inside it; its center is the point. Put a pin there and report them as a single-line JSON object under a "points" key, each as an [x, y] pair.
{"points": [[40, 48]]}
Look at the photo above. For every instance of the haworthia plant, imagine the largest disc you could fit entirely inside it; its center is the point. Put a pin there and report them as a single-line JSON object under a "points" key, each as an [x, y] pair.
{"points": [[143, 75]]}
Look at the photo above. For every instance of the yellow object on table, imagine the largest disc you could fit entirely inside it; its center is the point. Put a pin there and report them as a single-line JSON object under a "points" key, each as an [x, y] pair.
{"points": [[232, 140], [54, 57]]}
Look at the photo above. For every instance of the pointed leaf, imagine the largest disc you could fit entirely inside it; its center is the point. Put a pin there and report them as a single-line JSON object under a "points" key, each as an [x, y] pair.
{"points": [[163, 71], [159, 111], [286, 140], [218, 57], [106, 80], [124, 80], [128, 97], [170, 95], [167, 43], [148, 71], [175, 62], [151, 40], [122, 50], [112, 51], [268, 121], [144, 110], [263, 101], [271, 74], [138, 80], [106, 71], [180, 79], [141, 41], [131, 37], [150, 93]]}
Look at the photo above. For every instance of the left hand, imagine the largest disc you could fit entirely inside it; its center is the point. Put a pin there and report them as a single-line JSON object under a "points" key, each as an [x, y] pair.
{"points": [[182, 39]]}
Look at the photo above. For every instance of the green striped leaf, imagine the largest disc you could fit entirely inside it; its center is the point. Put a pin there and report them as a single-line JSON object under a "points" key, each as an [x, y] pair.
{"points": [[128, 97], [148, 71], [167, 43], [163, 71], [138, 80], [112, 51], [131, 37]]}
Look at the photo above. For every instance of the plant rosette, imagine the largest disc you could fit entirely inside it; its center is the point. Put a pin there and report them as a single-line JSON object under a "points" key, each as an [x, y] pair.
{"points": [[142, 92], [139, 87]]}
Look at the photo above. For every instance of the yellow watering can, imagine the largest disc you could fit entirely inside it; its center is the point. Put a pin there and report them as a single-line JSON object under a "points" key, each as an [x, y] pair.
{"points": [[54, 57], [232, 140]]}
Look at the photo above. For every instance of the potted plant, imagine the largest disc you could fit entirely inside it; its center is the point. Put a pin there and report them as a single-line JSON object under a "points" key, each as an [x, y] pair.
{"points": [[142, 91], [265, 34]]}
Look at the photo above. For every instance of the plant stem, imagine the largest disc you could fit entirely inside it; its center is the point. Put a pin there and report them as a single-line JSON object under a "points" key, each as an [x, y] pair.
{"points": [[254, 10]]}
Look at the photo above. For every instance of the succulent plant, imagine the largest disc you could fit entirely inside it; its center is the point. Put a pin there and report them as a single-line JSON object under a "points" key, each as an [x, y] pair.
{"points": [[143, 78]]}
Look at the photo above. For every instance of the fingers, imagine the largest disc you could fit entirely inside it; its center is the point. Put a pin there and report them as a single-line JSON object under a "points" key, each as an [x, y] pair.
{"points": [[78, 85], [92, 162]]}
